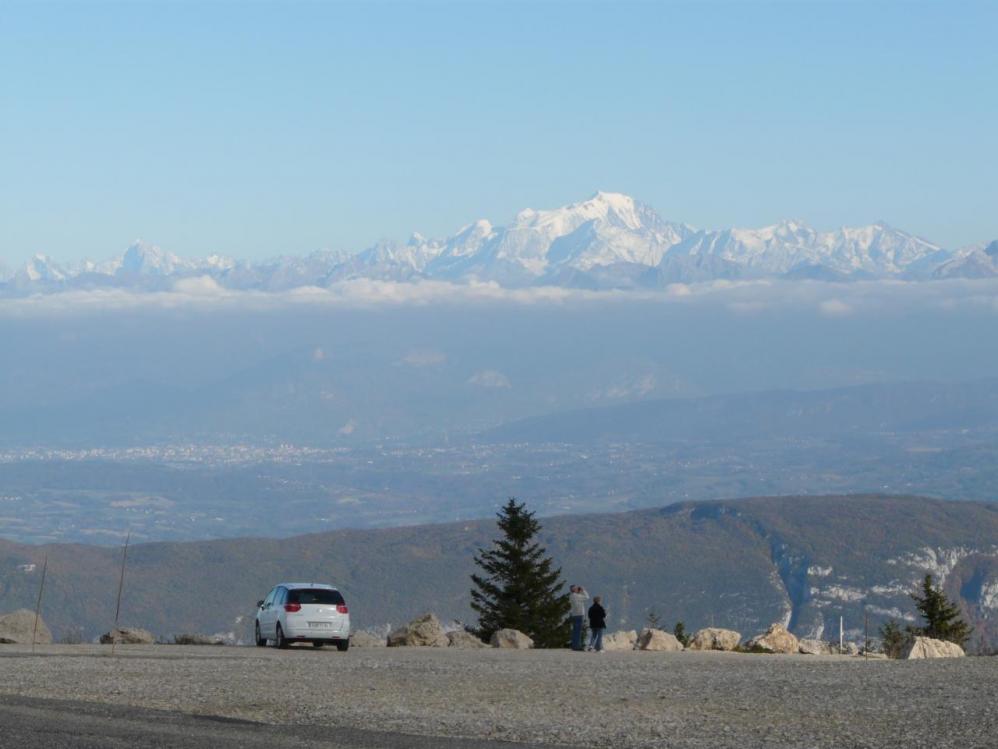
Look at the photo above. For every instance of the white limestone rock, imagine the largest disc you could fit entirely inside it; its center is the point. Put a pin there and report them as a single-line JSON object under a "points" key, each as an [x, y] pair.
{"points": [[459, 638], [622, 640], [850, 648], [17, 628], [424, 631], [715, 638], [814, 647], [511, 639], [776, 639], [926, 647], [128, 636], [656, 639]]}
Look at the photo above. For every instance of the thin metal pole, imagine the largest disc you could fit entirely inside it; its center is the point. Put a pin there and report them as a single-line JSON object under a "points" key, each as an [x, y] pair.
{"points": [[866, 634], [38, 603], [840, 635], [121, 584]]}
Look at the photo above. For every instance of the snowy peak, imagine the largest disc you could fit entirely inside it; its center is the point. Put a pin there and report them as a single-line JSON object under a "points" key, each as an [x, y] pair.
{"points": [[607, 229], [877, 250], [979, 262], [141, 259], [609, 240], [42, 270], [610, 207]]}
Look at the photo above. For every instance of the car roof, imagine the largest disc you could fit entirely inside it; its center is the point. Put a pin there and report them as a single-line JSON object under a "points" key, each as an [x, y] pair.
{"points": [[291, 586]]}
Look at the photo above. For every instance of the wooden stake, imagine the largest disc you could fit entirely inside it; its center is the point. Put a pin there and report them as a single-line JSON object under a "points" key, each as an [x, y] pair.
{"points": [[38, 603], [121, 584]]}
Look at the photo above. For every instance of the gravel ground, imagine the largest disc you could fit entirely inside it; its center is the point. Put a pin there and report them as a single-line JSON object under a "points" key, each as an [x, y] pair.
{"points": [[626, 699]]}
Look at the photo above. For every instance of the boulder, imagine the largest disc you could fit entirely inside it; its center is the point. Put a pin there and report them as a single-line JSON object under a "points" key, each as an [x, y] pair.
{"points": [[775, 640], [18, 626], [459, 638], [128, 636], [850, 648], [813, 647], [926, 647], [511, 639], [622, 640], [423, 631], [362, 639], [714, 638], [656, 639]]}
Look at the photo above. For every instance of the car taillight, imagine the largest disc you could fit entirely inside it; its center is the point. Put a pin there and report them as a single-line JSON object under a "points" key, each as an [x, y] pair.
{"points": [[292, 607], [341, 608]]}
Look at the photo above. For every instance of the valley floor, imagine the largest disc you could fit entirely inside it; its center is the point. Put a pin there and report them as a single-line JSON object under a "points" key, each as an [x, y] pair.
{"points": [[621, 699]]}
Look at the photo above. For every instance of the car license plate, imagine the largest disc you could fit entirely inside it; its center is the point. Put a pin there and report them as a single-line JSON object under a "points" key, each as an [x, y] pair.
{"points": [[320, 625]]}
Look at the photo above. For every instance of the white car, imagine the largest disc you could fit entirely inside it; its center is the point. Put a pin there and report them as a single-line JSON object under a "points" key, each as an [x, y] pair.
{"points": [[303, 612]]}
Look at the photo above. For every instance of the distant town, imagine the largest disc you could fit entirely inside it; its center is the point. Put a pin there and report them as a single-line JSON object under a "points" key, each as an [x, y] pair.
{"points": [[196, 491]]}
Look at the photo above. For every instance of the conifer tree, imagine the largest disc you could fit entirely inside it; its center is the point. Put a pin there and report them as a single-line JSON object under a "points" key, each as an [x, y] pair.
{"points": [[679, 632], [519, 587], [942, 617]]}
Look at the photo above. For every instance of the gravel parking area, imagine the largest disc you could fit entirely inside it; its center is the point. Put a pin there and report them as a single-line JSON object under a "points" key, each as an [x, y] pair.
{"points": [[620, 699]]}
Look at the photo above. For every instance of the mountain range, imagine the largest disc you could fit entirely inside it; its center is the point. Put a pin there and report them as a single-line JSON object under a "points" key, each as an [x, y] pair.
{"points": [[743, 564], [609, 241]]}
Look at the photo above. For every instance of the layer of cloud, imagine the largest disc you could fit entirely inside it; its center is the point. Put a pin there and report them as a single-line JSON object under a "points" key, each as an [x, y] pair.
{"points": [[834, 308], [490, 378], [832, 300], [199, 286]]}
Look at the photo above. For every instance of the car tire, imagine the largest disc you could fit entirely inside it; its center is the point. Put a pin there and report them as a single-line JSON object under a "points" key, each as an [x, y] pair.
{"points": [[280, 641], [260, 641], [343, 645], [318, 644]]}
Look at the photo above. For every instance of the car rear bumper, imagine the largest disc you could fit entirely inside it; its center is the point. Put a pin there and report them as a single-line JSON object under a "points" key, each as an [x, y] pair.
{"points": [[302, 631]]}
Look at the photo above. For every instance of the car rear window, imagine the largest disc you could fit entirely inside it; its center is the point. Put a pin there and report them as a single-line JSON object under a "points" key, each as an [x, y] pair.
{"points": [[315, 595]]}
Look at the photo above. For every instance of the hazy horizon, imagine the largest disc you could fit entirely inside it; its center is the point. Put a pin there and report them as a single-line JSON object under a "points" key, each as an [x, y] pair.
{"points": [[259, 130]]}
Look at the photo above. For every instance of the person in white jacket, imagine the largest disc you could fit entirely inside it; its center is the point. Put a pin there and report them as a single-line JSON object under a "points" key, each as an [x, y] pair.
{"points": [[577, 597]]}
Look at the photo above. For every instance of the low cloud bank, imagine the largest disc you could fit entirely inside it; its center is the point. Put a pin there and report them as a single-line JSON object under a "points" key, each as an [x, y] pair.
{"points": [[831, 300]]}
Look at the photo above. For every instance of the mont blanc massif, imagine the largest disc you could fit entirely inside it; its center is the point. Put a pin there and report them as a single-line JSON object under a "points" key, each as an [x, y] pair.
{"points": [[609, 241]]}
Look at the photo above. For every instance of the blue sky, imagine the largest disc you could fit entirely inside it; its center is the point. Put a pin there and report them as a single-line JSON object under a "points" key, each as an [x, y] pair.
{"points": [[259, 129]]}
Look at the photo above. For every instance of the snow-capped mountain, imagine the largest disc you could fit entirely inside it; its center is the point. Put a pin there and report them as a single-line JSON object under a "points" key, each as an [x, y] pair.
{"points": [[606, 230], [391, 261], [41, 271], [607, 241], [791, 247], [978, 262], [142, 259]]}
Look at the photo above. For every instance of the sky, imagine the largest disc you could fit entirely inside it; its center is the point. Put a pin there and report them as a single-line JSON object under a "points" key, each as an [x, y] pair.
{"points": [[258, 129]]}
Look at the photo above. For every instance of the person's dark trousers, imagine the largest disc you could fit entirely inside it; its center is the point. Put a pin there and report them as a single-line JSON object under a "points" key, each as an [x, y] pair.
{"points": [[576, 632]]}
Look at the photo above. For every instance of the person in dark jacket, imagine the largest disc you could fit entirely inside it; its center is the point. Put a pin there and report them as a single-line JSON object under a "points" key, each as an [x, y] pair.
{"points": [[597, 623]]}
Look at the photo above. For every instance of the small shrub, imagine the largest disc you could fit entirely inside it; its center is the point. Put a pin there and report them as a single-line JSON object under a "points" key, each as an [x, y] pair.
{"points": [[893, 639], [187, 639], [754, 648]]}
